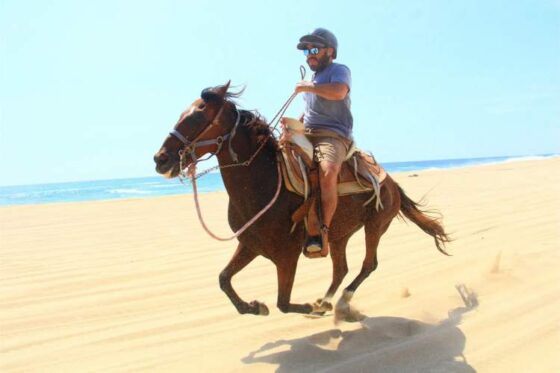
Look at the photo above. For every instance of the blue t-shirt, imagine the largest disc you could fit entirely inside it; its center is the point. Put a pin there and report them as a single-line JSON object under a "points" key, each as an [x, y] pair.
{"points": [[333, 115]]}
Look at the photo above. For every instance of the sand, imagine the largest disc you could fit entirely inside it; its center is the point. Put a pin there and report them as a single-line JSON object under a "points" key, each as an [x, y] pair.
{"points": [[132, 285]]}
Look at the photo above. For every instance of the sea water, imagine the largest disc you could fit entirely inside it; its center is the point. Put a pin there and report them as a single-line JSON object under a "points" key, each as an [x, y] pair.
{"points": [[158, 186]]}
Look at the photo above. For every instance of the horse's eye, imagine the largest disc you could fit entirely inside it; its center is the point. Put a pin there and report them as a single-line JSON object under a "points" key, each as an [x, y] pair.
{"points": [[202, 106]]}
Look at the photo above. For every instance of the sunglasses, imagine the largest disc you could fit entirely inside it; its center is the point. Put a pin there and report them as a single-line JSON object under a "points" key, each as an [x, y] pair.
{"points": [[311, 51]]}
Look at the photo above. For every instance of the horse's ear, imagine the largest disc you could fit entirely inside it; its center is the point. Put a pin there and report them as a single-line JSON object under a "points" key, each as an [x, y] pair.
{"points": [[223, 89], [216, 93]]}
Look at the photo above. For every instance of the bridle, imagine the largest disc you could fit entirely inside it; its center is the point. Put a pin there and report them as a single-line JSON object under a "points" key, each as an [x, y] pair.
{"points": [[189, 146]]}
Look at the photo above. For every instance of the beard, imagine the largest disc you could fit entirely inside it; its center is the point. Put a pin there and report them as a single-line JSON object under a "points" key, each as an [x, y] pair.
{"points": [[321, 63]]}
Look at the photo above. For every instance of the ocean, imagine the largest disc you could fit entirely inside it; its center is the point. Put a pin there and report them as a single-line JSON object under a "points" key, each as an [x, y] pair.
{"points": [[158, 186]]}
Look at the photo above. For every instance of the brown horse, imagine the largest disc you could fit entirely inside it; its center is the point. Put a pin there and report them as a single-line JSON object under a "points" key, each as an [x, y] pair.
{"points": [[214, 125]]}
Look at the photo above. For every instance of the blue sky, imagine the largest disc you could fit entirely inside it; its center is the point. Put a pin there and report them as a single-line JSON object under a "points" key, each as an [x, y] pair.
{"points": [[89, 90]]}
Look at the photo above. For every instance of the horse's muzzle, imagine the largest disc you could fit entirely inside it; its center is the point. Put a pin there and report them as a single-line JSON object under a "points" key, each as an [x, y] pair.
{"points": [[166, 165], [161, 158]]}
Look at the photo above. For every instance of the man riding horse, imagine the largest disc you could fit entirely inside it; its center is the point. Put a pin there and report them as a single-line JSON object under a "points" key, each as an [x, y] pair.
{"points": [[328, 125], [262, 208]]}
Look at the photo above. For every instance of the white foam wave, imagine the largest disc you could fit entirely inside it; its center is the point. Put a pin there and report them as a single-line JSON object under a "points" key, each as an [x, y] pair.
{"points": [[165, 186], [530, 158], [128, 191], [432, 168], [515, 159]]}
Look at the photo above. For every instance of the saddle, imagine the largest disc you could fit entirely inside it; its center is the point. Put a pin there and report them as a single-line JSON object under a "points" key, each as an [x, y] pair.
{"points": [[360, 173]]}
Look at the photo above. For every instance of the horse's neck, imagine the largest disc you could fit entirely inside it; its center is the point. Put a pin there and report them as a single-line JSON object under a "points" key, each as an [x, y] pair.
{"points": [[253, 181]]}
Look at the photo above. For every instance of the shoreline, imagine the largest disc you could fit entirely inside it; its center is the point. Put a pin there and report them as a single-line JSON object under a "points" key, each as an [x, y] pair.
{"points": [[396, 174]]}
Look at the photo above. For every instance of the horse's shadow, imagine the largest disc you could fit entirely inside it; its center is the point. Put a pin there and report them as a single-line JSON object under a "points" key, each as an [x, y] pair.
{"points": [[382, 344]]}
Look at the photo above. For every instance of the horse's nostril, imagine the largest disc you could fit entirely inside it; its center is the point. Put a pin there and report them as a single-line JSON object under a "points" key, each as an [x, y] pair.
{"points": [[161, 158]]}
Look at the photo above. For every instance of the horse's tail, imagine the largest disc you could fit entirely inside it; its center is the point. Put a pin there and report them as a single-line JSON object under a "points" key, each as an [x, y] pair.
{"points": [[428, 224]]}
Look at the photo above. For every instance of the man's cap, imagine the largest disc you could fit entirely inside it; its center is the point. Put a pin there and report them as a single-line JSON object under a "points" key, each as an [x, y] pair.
{"points": [[319, 37]]}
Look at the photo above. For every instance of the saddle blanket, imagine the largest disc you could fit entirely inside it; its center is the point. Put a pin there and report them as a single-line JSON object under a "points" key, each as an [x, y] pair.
{"points": [[360, 173]]}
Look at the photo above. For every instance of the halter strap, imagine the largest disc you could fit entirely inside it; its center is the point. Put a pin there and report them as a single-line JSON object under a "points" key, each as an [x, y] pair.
{"points": [[180, 137], [190, 146], [186, 141]]}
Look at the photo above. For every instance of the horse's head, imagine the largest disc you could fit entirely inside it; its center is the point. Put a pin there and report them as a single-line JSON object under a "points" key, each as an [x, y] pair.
{"points": [[200, 129]]}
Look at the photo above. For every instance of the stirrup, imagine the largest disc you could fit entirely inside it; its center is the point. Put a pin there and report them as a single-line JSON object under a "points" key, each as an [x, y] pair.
{"points": [[317, 246], [313, 246]]}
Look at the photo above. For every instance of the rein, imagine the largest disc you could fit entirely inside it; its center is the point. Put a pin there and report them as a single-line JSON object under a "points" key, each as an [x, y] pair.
{"points": [[190, 147], [191, 173], [246, 163], [192, 170]]}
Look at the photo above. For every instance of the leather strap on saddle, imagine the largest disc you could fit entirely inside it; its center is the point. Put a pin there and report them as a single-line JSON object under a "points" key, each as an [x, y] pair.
{"points": [[360, 173]]}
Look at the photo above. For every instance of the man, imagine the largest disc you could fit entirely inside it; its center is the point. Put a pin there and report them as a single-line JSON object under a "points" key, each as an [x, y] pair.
{"points": [[328, 121]]}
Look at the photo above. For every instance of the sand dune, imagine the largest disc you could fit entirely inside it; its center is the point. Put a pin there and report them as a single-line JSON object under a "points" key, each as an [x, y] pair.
{"points": [[132, 285]]}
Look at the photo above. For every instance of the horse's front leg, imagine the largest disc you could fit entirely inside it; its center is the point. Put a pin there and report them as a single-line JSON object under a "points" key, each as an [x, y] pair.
{"points": [[240, 259], [286, 270]]}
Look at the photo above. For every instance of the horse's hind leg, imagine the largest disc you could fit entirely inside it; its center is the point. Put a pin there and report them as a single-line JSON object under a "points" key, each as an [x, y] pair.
{"points": [[286, 270], [340, 269], [240, 259], [373, 234]]}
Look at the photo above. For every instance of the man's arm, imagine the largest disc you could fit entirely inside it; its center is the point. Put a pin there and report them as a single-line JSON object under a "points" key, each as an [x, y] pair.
{"points": [[330, 91]]}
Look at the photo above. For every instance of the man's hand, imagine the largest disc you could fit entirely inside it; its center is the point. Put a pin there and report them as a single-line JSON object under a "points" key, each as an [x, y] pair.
{"points": [[304, 86], [330, 91], [283, 123], [286, 135]]}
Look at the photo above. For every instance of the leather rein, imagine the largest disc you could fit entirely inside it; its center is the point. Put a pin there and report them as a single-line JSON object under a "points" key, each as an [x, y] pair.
{"points": [[189, 148]]}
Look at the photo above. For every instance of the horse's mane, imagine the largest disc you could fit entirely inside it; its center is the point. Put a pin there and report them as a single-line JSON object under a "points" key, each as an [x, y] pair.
{"points": [[255, 122]]}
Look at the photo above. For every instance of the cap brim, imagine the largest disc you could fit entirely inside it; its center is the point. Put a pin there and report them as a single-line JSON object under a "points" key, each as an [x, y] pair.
{"points": [[304, 41]]}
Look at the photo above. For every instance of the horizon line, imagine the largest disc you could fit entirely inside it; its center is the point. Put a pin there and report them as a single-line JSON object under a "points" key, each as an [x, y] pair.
{"points": [[382, 163]]}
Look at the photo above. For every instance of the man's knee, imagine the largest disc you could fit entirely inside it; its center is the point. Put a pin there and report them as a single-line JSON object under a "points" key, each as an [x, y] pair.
{"points": [[329, 170], [329, 175]]}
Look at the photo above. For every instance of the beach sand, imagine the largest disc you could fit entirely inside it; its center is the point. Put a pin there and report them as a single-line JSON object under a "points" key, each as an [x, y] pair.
{"points": [[132, 285]]}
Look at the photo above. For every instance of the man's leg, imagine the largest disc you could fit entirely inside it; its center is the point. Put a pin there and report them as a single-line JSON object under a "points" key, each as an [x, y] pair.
{"points": [[323, 214], [328, 178], [329, 153]]}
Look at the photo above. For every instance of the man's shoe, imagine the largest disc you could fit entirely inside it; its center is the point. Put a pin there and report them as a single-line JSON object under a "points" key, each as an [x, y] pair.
{"points": [[315, 247], [314, 244]]}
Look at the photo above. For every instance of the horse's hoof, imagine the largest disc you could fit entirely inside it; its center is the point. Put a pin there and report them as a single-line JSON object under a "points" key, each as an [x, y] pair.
{"points": [[354, 316], [326, 305], [344, 311], [261, 308], [320, 307], [347, 314]]}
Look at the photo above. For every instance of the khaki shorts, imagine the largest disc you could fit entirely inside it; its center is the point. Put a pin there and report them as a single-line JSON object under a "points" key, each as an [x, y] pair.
{"points": [[328, 146]]}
